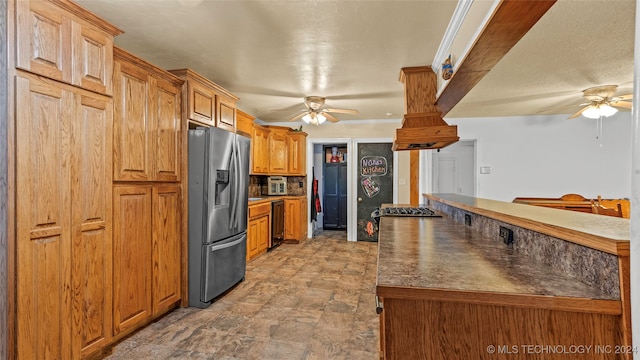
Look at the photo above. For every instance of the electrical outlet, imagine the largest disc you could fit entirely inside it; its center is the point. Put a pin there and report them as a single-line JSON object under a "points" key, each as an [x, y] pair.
{"points": [[506, 235], [467, 219], [301, 184]]}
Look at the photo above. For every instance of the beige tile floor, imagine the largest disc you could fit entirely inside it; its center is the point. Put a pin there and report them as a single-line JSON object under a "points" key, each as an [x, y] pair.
{"points": [[313, 300]]}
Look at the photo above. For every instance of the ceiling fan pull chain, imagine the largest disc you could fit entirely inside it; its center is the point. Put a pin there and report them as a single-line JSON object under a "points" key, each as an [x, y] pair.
{"points": [[599, 130]]}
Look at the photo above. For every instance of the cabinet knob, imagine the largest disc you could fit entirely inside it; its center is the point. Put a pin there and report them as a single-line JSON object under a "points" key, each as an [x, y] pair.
{"points": [[359, 199]]}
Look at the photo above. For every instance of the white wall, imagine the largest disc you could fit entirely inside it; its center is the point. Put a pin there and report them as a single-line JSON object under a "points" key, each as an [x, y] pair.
{"points": [[548, 156]]}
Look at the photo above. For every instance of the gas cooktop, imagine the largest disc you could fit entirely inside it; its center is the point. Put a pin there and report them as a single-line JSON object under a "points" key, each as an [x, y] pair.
{"points": [[418, 211]]}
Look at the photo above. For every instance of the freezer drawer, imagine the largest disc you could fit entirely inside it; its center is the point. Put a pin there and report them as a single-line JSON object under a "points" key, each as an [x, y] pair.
{"points": [[224, 265]]}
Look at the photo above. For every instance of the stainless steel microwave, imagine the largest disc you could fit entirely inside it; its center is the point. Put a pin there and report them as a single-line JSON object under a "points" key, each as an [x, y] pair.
{"points": [[276, 185]]}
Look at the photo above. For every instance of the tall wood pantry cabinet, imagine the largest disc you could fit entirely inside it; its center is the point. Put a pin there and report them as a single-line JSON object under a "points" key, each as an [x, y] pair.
{"points": [[61, 132], [148, 218]]}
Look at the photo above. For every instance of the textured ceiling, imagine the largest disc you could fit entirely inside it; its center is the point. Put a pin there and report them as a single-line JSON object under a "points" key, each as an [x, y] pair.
{"points": [[273, 53]]}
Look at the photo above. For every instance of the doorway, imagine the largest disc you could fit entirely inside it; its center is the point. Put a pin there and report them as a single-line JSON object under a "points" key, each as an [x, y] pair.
{"points": [[453, 169], [334, 180]]}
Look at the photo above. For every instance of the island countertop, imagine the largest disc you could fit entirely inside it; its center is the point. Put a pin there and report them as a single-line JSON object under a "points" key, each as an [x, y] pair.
{"points": [[605, 233], [439, 259]]}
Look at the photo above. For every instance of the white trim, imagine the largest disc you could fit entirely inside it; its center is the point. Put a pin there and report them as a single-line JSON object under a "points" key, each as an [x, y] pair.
{"points": [[470, 44], [353, 203], [450, 34]]}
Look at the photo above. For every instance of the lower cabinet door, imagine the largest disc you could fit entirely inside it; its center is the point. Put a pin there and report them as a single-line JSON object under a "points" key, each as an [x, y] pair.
{"points": [[131, 256], [166, 223]]}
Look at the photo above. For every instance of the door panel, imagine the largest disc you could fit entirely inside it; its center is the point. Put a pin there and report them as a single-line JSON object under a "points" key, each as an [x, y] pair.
{"points": [[166, 113], [43, 219], [91, 217], [131, 256], [166, 246], [375, 185]]}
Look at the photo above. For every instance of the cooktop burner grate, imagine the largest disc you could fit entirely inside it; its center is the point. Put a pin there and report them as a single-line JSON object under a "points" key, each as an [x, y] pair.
{"points": [[409, 211]]}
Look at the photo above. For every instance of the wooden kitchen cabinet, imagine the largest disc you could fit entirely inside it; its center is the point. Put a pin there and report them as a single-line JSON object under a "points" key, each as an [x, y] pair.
{"points": [[297, 153], [207, 103], [260, 150], [147, 253], [226, 118], [244, 123], [63, 219], [278, 150], [258, 230], [63, 42], [148, 136], [166, 246], [295, 218], [131, 256]]}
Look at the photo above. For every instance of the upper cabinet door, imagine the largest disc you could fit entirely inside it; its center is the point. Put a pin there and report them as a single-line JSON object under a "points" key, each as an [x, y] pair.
{"points": [[226, 114], [297, 153], [166, 113], [92, 59], [202, 104], [61, 46], [43, 41], [132, 126]]}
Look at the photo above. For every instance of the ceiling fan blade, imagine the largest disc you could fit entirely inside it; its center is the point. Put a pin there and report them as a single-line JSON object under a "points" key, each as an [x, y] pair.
{"points": [[624, 97], [622, 104], [578, 113], [298, 117], [343, 111], [330, 117]]}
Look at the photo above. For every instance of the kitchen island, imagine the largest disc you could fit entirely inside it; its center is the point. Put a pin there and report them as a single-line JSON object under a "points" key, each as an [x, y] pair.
{"points": [[452, 289]]}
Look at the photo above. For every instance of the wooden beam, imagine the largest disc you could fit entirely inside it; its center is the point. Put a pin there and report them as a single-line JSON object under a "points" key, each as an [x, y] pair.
{"points": [[509, 23], [414, 177]]}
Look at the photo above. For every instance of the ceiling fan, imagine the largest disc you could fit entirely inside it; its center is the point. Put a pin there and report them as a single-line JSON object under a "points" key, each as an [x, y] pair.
{"points": [[602, 103], [316, 113]]}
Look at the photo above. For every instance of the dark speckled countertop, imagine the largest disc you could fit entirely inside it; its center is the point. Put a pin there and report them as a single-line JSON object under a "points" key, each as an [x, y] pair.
{"points": [[440, 254]]}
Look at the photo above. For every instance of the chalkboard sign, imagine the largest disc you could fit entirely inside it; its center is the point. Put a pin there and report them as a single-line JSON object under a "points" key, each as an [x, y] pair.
{"points": [[375, 179]]}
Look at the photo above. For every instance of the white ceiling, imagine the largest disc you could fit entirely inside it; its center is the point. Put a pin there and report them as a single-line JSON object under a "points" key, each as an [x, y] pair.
{"points": [[273, 53]]}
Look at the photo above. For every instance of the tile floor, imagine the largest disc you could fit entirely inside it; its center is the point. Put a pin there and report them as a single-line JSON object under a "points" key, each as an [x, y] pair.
{"points": [[313, 300]]}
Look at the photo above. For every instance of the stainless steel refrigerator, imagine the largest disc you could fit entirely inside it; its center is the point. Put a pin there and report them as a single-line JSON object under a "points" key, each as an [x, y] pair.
{"points": [[218, 200]]}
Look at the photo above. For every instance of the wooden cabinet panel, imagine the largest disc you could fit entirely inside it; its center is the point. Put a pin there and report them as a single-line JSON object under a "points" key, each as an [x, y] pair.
{"points": [[147, 121], [93, 59], [202, 103], [43, 36], [61, 46], [244, 123], [226, 118], [166, 111], [264, 224], [259, 150], [278, 152], [259, 230], [253, 233], [91, 223], [132, 124], [131, 256], [295, 217], [43, 219], [297, 151], [166, 224]]}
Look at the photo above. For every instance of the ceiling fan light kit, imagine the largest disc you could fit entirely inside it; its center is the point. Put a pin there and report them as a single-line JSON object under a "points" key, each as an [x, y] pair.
{"points": [[595, 112], [316, 113], [602, 102]]}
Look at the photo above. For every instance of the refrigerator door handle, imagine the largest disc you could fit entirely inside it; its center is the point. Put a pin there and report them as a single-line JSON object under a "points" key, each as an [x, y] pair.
{"points": [[233, 206], [236, 182]]}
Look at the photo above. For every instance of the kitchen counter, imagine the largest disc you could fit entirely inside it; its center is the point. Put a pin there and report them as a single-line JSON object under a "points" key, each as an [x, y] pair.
{"points": [[449, 288], [607, 233], [432, 257], [270, 198]]}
